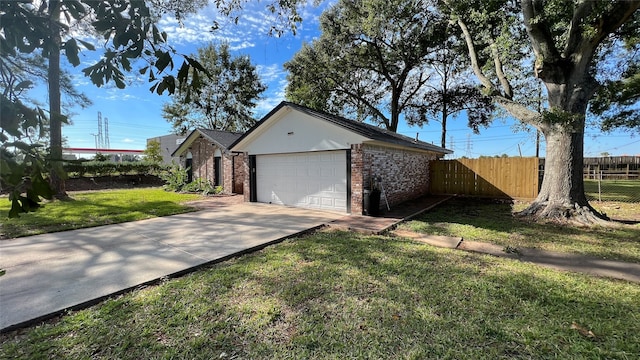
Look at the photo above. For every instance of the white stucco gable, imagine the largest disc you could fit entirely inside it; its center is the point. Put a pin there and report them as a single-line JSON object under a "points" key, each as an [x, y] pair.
{"points": [[289, 130]]}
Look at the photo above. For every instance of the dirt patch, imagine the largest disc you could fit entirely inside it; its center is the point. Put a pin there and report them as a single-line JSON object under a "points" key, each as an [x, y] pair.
{"points": [[215, 201]]}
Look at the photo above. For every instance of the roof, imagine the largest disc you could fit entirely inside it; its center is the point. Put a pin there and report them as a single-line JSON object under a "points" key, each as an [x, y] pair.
{"points": [[366, 130], [222, 139]]}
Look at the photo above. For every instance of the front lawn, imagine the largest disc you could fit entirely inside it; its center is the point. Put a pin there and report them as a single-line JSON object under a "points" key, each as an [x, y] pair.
{"points": [[87, 209], [339, 295], [493, 221]]}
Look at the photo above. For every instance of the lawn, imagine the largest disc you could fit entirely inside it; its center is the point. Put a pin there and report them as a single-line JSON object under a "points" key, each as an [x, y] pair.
{"points": [[613, 190], [493, 221], [339, 295], [87, 209]]}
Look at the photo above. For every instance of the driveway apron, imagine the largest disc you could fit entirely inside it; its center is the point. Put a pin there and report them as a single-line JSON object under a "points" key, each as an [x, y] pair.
{"points": [[48, 273]]}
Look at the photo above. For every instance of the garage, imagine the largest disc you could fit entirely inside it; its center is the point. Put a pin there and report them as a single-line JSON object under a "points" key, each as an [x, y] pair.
{"points": [[315, 180], [298, 156]]}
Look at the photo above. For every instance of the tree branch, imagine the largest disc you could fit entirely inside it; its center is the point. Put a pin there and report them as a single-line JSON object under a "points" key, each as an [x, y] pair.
{"points": [[520, 112], [582, 10], [581, 49], [508, 92], [473, 56], [538, 30]]}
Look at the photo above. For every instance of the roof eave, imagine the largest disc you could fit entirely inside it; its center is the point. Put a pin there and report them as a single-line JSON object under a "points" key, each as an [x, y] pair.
{"points": [[412, 148]]}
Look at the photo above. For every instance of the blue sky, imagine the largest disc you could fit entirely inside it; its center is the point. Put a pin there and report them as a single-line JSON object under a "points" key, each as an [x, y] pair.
{"points": [[134, 114]]}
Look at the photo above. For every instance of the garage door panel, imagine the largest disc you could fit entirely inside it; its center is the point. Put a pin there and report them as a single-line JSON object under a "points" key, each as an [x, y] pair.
{"points": [[312, 180]]}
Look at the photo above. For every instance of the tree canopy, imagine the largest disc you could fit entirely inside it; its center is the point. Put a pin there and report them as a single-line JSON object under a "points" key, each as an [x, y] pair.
{"points": [[384, 60], [51, 29], [226, 98], [568, 47], [369, 62]]}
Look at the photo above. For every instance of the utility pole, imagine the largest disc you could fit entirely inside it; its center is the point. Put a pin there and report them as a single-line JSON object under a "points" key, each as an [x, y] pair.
{"points": [[100, 142], [95, 137], [106, 133]]}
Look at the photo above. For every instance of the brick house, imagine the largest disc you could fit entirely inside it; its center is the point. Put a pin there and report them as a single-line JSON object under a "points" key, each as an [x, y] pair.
{"points": [[206, 154], [302, 157]]}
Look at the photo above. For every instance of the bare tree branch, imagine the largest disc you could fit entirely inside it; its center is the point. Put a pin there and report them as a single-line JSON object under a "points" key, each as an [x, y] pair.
{"points": [[506, 86], [520, 112], [473, 56]]}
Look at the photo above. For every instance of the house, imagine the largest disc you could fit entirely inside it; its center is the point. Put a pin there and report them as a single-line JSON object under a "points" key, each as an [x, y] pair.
{"points": [[168, 145], [206, 154], [307, 158]]}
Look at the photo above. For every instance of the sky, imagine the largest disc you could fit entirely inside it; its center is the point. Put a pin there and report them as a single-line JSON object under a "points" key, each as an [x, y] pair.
{"points": [[135, 114]]}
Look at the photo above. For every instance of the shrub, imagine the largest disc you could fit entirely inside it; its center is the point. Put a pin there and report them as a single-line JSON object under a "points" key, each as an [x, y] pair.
{"points": [[102, 168], [203, 186], [175, 178]]}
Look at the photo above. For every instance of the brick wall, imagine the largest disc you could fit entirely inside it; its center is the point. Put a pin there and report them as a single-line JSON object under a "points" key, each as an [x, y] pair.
{"points": [[203, 166], [404, 174], [357, 179], [238, 174], [227, 173], [203, 163], [247, 183]]}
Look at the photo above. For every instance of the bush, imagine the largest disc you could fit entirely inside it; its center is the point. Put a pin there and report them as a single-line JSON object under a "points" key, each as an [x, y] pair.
{"points": [[175, 178], [109, 168], [203, 186]]}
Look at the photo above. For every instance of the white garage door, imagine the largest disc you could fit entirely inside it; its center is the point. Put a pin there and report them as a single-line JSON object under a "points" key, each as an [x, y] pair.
{"points": [[316, 180]]}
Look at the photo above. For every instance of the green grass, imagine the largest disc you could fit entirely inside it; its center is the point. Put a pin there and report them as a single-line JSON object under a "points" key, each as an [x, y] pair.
{"points": [[87, 209], [490, 221], [613, 190], [338, 295]]}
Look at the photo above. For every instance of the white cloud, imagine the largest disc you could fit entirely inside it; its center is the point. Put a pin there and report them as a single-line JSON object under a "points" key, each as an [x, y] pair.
{"points": [[270, 73], [128, 141]]}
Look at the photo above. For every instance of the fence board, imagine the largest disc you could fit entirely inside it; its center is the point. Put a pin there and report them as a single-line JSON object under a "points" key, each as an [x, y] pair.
{"points": [[515, 178]]}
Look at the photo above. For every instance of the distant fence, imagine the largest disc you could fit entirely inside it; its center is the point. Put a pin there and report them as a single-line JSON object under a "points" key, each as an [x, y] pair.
{"points": [[612, 168], [516, 178]]}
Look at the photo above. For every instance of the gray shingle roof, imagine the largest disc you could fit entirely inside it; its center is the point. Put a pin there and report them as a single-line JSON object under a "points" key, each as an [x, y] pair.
{"points": [[222, 139], [366, 130]]}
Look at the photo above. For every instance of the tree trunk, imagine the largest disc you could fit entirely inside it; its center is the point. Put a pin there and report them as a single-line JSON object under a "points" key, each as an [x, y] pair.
{"points": [[56, 179], [561, 197], [445, 115]]}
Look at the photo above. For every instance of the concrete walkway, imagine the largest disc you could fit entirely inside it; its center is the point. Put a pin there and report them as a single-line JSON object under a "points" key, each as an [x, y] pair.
{"points": [[47, 274], [555, 260]]}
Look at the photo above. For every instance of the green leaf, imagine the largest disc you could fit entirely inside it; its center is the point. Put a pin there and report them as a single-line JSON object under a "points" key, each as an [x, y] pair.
{"points": [[87, 45], [164, 59], [71, 50]]}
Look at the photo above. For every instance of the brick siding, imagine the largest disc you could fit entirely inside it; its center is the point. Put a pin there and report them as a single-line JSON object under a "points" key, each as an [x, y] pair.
{"points": [[202, 159], [238, 174], [357, 179], [404, 174], [203, 166]]}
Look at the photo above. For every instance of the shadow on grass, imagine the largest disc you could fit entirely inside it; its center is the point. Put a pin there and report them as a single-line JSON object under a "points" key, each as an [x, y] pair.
{"points": [[340, 295]]}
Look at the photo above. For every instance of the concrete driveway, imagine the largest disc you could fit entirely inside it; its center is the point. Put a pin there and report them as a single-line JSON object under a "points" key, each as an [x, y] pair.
{"points": [[49, 273]]}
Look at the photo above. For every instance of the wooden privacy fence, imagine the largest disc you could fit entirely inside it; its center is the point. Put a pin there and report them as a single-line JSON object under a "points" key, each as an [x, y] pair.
{"points": [[515, 178]]}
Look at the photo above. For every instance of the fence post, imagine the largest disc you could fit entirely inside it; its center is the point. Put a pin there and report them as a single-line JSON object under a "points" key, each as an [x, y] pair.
{"points": [[599, 187]]}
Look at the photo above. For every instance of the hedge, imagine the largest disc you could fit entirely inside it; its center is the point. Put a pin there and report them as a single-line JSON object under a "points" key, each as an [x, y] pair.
{"points": [[109, 168]]}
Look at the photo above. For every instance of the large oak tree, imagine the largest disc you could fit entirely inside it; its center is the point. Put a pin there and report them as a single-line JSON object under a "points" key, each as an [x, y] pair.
{"points": [[570, 43]]}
